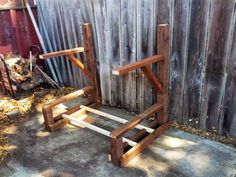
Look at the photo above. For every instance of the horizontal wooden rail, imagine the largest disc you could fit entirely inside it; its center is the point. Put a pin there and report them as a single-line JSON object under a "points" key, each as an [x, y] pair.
{"points": [[130, 67], [117, 133], [115, 118], [70, 96], [143, 144], [78, 122], [62, 52]]}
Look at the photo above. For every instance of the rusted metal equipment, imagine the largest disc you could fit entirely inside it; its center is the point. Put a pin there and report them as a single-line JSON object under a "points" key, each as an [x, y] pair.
{"points": [[122, 149], [6, 81], [16, 74]]}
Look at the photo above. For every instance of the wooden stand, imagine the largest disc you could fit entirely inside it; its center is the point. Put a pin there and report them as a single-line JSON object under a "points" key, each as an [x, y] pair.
{"points": [[122, 149], [53, 123]]}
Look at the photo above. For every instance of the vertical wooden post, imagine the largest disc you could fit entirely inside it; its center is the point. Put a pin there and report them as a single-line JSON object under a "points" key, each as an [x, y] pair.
{"points": [[91, 60], [116, 150], [163, 49], [48, 118]]}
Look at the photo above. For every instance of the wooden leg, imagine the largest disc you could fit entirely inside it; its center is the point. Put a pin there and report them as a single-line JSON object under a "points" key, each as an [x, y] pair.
{"points": [[129, 155], [116, 150]]}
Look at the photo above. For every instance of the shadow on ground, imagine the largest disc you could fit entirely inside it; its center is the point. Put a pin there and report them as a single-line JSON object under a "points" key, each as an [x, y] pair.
{"points": [[80, 152]]}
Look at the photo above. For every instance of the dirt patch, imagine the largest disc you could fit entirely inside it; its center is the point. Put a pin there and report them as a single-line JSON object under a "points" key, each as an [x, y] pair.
{"points": [[24, 105], [208, 135]]}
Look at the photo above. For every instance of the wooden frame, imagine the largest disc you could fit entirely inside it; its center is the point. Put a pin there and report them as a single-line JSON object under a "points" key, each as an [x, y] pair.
{"points": [[118, 156], [52, 122], [122, 149]]}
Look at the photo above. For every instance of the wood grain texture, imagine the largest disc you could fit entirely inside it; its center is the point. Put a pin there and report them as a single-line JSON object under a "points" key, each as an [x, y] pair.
{"points": [[216, 60], [128, 53], [195, 61], [202, 63], [145, 48], [228, 122], [179, 57], [113, 41]]}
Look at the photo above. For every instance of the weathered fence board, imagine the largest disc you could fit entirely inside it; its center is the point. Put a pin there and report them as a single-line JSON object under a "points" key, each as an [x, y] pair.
{"points": [[179, 56], [216, 60], [195, 61], [202, 49]]}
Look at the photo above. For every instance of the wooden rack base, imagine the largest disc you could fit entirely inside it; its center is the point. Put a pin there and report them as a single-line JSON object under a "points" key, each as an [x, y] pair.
{"points": [[122, 149]]}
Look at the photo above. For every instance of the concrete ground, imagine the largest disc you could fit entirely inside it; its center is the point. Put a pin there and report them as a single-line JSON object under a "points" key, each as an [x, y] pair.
{"points": [[74, 151]]}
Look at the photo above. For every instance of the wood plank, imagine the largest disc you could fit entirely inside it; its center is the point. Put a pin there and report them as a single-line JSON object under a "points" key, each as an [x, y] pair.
{"points": [[78, 122], [80, 65], [216, 62], [178, 56], [152, 79], [163, 47], [70, 96], [128, 53], [100, 18], [113, 43], [136, 120], [92, 63], [130, 67], [62, 53], [146, 38], [143, 144], [229, 111], [195, 61], [115, 118]]}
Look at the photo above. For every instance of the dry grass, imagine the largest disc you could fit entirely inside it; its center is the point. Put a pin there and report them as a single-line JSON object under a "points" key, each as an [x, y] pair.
{"points": [[25, 104]]}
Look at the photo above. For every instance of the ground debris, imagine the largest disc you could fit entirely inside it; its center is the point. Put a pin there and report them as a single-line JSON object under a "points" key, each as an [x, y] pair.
{"points": [[206, 134], [25, 104]]}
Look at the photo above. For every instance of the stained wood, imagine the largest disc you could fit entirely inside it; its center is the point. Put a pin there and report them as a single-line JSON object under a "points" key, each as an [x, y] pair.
{"points": [[143, 144], [163, 48], [121, 35], [90, 57], [133, 66], [80, 65], [61, 53], [152, 79], [70, 96], [136, 120]]}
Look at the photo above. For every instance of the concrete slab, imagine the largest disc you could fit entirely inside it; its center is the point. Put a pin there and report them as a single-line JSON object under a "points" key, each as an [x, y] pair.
{"points": [[80, 152]]}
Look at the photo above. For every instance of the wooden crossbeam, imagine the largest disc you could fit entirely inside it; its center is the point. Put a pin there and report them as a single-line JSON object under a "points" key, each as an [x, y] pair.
{"points": [[80, 65], [130, 67], [136, 120], [78, 122], [115, 118], [62, 53], [70, 96], [152, 78]]}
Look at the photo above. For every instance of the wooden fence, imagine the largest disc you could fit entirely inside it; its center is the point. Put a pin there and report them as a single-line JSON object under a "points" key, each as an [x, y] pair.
{"points": [[203, 57]]}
